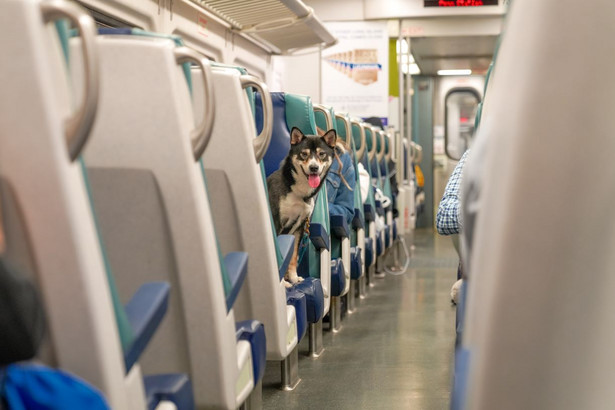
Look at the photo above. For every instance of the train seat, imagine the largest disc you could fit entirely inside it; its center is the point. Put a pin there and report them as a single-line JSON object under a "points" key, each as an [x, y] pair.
{"points": [[152, 203], [232, 165], [50, 213], [294, 110], [340, 231], [357, 238]]}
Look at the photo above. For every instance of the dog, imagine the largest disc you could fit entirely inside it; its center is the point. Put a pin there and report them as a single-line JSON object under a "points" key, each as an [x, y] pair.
{"points": [[293, 187]]}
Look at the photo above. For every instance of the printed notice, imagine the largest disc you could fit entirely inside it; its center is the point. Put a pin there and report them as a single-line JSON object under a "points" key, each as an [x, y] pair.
{"points": [[355, 72]]}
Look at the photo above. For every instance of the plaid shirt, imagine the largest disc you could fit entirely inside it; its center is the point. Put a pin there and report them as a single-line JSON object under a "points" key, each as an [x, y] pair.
{"points": [[448, 219]]}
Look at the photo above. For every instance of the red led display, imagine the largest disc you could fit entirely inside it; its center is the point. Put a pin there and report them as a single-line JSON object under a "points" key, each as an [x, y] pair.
{"points": [[460, 3]]}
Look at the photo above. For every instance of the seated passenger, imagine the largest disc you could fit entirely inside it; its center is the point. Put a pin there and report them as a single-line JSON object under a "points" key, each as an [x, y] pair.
{"points": [[448, 218], [341, 182]]}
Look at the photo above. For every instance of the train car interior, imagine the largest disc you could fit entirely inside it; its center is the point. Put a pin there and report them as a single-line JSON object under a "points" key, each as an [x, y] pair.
{"points": [[306, 204]]}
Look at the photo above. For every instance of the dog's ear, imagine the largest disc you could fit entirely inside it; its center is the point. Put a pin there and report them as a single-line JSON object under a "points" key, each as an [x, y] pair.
{"points": [[330, 138], [296, 136]]}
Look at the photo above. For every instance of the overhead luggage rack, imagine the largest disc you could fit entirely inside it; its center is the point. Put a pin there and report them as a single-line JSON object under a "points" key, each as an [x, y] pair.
{"points": [[284, 26]]}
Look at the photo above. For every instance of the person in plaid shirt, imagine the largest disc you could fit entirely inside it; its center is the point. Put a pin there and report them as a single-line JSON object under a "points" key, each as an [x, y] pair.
{"points": [[448, 218]]}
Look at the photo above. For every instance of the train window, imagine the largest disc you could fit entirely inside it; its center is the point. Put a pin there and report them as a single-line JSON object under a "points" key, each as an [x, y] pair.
{"points": [[105, 21], [460, 111]]}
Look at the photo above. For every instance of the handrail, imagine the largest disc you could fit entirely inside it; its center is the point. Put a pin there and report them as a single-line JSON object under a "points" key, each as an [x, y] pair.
{"points": [[370, 154], [262, 141], [201, 135], [360, 150], [79, 124], [321, 108], [380, 154], [347, 126]]}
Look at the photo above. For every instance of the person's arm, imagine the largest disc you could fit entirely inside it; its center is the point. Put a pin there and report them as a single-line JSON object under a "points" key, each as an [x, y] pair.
{"points": [[448, 218], [343, 203]]}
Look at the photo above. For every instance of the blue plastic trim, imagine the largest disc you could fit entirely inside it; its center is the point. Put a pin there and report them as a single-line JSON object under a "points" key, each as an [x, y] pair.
{"points": [[237, 267], [145, 312], [369, 251], [338, 278], [175, 388], [339, 226], [370, 215], [286, 246], [379, 208], [253, 331], [357, 220], [319, 236], [299, 301], [387, 236], [355, 263], [115, 31]]}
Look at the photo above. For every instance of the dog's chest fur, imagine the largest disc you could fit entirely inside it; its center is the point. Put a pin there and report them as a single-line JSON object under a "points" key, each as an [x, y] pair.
{"points": [[294, 211]]}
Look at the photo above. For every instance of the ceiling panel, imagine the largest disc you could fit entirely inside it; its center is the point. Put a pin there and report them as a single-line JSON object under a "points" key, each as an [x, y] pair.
{"points": [[441, 53]]}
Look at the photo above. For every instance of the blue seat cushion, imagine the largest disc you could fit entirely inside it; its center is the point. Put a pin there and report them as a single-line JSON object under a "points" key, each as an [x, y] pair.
{"points": [[314, 298], [253, 331], [369, 251], [355, 262], [298, 301], [280, 137], [285, 245], [175, 388], [338, 278]]}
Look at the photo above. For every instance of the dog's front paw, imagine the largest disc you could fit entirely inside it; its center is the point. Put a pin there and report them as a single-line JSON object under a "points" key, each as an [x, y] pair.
{"points": [[293, 278], [287, 284]]}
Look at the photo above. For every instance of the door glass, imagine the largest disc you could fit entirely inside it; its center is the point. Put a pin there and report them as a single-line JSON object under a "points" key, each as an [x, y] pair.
{"points": [[461, 106]]}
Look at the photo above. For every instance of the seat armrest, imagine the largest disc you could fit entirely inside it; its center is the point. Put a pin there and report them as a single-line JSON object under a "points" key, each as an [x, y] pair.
{"points": [[357, 220], [286, 246], [175, 388], [237, 267], [319, 236], [369, 211], [379, 208], [145, 312], [339, 226]]}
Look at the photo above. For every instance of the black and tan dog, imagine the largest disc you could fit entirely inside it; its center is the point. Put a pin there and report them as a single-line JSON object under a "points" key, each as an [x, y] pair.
{"points": [[293, 187]]}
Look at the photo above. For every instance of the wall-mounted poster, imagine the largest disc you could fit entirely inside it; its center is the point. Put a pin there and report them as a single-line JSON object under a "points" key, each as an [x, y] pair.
{"points": [[355, 71]]}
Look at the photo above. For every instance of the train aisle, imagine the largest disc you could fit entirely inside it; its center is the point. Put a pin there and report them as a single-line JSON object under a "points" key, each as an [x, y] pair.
{"points": [[394, 352]]}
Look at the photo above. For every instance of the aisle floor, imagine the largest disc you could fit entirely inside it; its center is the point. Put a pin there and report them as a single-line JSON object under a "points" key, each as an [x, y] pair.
{"points": [[394, 352]]}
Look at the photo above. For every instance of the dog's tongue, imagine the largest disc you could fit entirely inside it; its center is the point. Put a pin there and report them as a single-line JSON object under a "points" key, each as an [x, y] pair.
{"points": [[314, 181]]}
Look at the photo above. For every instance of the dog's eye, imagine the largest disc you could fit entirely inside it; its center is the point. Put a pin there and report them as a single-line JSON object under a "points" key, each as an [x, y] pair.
{"points": [[303, 155], [322, 155]]}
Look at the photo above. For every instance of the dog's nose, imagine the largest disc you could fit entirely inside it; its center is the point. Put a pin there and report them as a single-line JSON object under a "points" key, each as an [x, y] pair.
{"points": [[313, 169]]}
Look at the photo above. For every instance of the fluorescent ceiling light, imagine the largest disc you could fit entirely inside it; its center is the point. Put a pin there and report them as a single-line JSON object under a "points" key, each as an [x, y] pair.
{"points": [[454, 72]]}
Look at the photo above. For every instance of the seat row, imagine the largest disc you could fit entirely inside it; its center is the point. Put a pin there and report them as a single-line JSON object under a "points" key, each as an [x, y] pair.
{"points": [[133, 193]]}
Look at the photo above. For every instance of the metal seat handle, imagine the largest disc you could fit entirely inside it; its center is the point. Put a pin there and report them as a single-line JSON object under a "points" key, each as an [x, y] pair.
{"points": [[79, 124], [201, 135], [262, 141]]}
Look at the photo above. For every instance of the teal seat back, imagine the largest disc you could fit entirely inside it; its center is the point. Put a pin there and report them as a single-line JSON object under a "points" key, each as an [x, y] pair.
{"points": [[300, 113]]}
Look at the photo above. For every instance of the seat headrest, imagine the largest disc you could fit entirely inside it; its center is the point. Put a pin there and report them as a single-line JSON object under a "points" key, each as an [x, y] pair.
{"points": [[289, 110]]}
